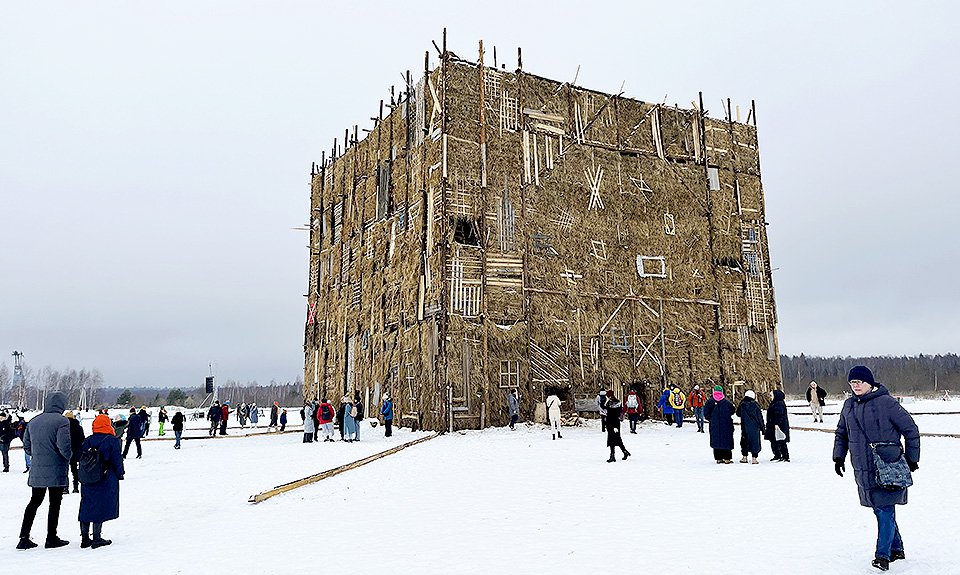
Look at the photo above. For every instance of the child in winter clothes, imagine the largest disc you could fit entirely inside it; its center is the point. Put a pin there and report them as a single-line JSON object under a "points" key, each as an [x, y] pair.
{"points": [[751, 426], [100, 501], [283, 420]]}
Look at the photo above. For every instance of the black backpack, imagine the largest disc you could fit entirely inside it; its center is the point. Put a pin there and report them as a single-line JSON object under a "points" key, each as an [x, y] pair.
{"points": [[90, 466], [326, 412]]}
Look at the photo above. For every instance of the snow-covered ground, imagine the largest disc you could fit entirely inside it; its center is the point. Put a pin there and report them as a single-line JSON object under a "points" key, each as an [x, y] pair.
{"points": [[496, 501], [931, 415]]}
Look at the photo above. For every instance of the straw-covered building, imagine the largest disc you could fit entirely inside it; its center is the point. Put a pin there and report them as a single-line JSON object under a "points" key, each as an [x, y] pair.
{"points": [[498, 230]]}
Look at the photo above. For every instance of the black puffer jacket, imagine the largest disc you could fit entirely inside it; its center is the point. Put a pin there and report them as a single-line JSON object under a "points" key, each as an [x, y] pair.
{"points": [[777, 417]]}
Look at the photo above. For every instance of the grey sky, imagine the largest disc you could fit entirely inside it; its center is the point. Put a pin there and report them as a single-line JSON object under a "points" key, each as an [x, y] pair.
{"points": [[154, 156]]}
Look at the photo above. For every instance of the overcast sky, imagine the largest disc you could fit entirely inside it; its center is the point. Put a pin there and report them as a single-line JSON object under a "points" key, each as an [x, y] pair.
{"points": [[154, 157]]}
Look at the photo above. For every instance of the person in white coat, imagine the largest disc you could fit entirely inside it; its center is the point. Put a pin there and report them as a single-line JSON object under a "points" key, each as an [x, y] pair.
{"points": [[553, 413]]}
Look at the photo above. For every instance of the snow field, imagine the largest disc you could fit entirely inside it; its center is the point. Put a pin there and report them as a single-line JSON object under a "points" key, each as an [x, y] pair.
{"points": [[498, 501]]}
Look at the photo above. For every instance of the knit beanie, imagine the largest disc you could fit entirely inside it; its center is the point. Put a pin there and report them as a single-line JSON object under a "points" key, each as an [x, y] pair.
{"points": [[718, 388], [862, 373], [750, 394], [101, 424]]}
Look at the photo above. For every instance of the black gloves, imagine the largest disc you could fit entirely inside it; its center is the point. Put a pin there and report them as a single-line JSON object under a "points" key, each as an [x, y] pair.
{"points": [[913, 465], [839, 467]]}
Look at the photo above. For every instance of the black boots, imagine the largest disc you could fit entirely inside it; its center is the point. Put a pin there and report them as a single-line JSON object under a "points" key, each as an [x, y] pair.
{"points": [[54, 542], [25, 543], [84, 540], [895, 555], [626, 454], [96, 543], [881, 564], [612, 459]]}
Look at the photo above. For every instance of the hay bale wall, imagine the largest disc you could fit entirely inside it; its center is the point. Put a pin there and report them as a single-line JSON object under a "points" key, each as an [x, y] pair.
{"points": [[498, 229]]}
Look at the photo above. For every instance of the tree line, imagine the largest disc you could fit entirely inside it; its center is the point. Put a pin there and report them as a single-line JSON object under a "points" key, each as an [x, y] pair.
{"points": [[920, 375], [74, 383]]}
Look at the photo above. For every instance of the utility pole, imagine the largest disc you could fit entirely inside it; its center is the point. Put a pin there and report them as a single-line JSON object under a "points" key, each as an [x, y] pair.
{"points": [[19, 382]]}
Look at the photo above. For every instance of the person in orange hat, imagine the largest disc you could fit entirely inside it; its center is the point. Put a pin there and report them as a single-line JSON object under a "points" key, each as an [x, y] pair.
{"points": [[99, 492], [274, 414]]}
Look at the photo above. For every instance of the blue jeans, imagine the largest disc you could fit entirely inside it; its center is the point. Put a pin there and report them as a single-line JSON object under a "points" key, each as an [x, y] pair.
{"points": [[888, 534], [678, 417], [179, 435], [698, 413]]}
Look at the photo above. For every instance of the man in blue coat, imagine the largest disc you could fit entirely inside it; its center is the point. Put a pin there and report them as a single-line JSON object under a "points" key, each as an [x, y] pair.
{"points": [[134, 432], [872, 416], [47, 440], [386, 410]]}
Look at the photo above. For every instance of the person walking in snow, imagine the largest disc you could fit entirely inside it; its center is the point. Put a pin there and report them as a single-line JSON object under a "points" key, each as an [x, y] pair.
{"points": [[751, 426], [100, 500], [719, 412], [254, 415], [778, 427], [308, 422], [242, 415], [214, 414], [274, 415], [47, 440], [120, 426], [872, 421], [696, 401], [224, 417], [358, 413], [144, 420], [7, 434], [283, 422], [614, 416], [666, 410], [601, 409], [177, 423], [76, 440], [634, 408], [553, 413], [341, 418], [513, 408], [161, 421], [386, 410], [349, 423], [20, 429], [677, 401], [134, 432], [326, 414], [817, 398]]}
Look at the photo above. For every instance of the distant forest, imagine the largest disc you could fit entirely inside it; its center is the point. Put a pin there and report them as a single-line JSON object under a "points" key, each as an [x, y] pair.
{"points": [[920, 375], [289, 393]]}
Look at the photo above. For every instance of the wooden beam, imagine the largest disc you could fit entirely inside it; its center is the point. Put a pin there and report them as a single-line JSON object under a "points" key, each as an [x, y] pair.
{"points": [[264, 495]]}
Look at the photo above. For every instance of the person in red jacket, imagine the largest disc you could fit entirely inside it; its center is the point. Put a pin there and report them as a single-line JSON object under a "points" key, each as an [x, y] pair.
{"points": [[225, 417], [697, 400], [634, 408], [325, 415]]}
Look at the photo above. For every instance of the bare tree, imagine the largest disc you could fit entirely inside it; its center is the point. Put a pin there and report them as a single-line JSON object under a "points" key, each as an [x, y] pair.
{"points": [[4, 382]]}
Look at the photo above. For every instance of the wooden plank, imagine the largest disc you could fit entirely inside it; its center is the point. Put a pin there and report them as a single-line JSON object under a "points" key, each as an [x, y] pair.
{"points": [[264, 495]]}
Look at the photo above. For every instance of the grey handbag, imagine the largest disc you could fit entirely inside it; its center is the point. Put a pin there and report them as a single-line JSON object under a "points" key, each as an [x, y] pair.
{"points": [[893, 473]]}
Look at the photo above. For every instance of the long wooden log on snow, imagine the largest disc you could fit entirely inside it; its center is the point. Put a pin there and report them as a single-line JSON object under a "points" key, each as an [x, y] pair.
{"points": [[264, 495]]}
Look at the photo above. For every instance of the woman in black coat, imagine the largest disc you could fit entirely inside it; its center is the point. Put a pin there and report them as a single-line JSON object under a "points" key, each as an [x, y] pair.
{"points": [[751, 426], [100, 501], [719, 412], [777, 420], [872, 416], [613, 418]]}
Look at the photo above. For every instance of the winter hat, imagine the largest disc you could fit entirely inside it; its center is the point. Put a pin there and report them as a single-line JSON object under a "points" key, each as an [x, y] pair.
{"points": [[101, 424], [718, 388], [696, 387], [750, 394], [862, 373]]}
